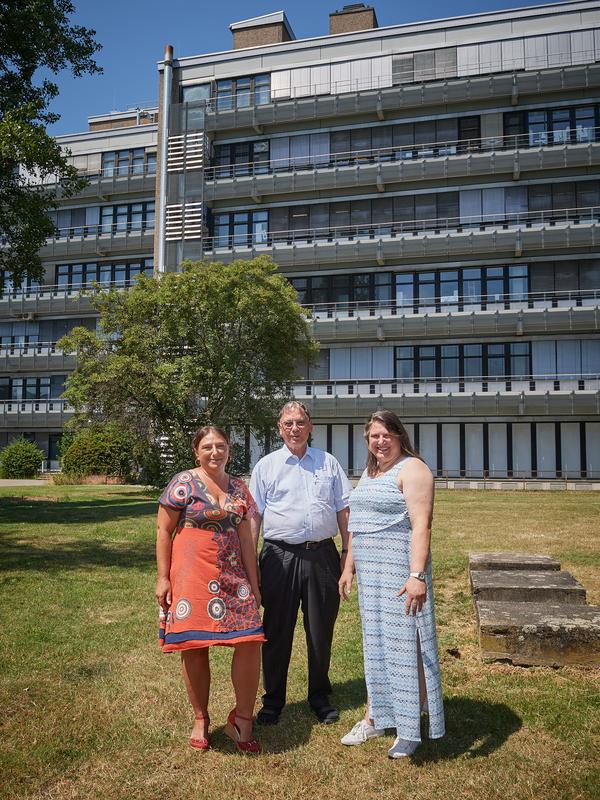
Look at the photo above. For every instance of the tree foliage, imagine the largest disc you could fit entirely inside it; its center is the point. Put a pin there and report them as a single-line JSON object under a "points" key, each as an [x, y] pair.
{"points": [[36, 37], [21, 459], [214, 343], [99, 450]]}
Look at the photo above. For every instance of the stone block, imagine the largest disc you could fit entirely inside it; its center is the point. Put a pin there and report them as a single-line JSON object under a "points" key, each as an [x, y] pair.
{"points": [[545, 634], [525, 561], [533, 586]]}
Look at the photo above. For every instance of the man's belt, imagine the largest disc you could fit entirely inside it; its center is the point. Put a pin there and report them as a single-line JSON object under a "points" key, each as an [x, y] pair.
{"points": [[300, 546]]}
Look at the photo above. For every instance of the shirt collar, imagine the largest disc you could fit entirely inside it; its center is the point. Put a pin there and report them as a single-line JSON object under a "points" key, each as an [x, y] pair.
{"points": [[287, 454]]}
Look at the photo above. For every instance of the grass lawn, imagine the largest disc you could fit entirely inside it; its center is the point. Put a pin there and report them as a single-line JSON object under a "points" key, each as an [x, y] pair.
{"points": [[92, 709]]}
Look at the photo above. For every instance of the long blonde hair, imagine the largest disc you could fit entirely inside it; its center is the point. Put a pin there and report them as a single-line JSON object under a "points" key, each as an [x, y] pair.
{"points": [[391, 422]]}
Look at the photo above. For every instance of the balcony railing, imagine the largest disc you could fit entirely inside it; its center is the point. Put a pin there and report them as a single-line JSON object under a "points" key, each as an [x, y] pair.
{"points": [[71, 289], [408, 152], [414, 227], [465, 384], [98, 230], [36, 406], [398, 79], [448, 304]]}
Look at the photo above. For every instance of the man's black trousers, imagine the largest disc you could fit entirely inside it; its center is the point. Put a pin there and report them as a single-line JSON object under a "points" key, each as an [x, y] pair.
{"points": [[292, 577]]}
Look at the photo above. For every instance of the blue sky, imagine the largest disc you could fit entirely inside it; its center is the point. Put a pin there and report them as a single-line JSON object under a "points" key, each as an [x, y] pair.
{"points": [[133, 34]]}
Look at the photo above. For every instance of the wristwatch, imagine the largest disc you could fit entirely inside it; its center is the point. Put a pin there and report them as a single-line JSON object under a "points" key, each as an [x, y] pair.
{"points": [[420, 576]]}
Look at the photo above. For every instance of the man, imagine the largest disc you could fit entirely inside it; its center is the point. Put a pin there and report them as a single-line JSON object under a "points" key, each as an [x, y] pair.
{"points": [[302, 498]]}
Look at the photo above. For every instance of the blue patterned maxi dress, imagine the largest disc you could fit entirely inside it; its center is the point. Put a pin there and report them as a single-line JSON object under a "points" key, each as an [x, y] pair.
{"points": [[381, 538]]}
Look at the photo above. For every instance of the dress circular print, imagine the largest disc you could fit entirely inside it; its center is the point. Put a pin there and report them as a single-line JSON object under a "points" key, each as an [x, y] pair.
{"points": [[211, 599]]}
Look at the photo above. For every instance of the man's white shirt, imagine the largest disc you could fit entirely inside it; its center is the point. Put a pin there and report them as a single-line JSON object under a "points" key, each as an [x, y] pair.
{"points": [[299, 497]]}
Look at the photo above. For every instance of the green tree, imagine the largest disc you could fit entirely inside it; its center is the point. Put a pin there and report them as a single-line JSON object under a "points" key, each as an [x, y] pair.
{"points": [[21, 459], [36, 37], [213, 343]]}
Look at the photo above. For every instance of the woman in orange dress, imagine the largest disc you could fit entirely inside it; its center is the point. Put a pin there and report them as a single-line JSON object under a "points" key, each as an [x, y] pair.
{"points": [[207, 584]]}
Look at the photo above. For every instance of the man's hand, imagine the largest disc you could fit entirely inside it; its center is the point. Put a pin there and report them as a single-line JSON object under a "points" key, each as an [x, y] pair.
{"points": [[345, 583]]}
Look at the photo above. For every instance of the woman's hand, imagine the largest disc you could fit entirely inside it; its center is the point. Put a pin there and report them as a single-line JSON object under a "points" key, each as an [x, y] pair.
{"points": [[163, 593], [416, 595], [345, 583], [257, 596]]}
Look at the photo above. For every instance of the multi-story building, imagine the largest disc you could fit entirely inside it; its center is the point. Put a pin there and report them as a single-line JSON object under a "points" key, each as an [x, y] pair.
{"points": [[104, 235], [432, 192]]}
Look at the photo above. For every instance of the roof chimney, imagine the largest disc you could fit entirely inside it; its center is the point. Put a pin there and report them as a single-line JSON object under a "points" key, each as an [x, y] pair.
{"points": [[267, 29], [354, 17]]}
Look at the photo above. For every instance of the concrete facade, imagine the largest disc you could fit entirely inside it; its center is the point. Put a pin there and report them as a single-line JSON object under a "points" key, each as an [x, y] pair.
{"points": [[431, 191]]}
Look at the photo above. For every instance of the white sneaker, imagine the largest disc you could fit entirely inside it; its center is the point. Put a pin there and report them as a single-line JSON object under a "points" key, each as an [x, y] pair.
{"points": [[402, 748], [360, 733]]}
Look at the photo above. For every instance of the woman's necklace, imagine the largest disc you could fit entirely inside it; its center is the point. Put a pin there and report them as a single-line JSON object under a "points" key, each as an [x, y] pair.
{"points": [[391, 466], [222, 483]]}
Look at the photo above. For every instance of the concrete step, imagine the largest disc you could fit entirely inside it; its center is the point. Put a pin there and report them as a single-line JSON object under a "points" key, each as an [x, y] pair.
{"points": [[533, 586], [546, 634], [526, 561]]}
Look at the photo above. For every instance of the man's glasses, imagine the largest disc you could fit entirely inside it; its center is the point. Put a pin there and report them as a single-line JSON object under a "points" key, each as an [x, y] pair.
{"points": [[289, 424]]}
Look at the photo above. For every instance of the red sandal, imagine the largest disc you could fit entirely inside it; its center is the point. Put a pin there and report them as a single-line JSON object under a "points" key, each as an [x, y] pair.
{"points": [[200, 744], [232, 730]]}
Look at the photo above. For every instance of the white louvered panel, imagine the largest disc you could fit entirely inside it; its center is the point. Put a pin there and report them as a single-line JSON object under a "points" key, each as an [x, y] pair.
{"points": [[193, 221], [194, 151], [175, 153], [174, 222], [186, 151]]}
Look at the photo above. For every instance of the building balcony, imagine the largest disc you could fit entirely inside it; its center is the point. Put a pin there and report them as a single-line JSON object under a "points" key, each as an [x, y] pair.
{"points": [[494, 88], [98, 240], [497, 155], [513, 234], [497, 396], [488, 315], [44, 356], [109, 183], [33, 415]]}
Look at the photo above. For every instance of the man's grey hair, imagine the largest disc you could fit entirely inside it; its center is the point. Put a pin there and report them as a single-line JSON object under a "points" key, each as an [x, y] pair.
{"points": [[293, 405]]}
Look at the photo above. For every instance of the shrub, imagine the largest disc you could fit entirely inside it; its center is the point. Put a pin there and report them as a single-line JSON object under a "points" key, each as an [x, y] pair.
{"points": [[98, 451], [21, 459]]}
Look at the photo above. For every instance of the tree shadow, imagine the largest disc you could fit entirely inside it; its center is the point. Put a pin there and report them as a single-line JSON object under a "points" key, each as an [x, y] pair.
{"points": [[19, 555], [75, 512], [474, 728]]}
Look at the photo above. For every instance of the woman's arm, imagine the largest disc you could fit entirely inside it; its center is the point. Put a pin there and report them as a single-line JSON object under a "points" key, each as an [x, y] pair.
{"points": [[416, 483], [166, 522], [248, 549]]}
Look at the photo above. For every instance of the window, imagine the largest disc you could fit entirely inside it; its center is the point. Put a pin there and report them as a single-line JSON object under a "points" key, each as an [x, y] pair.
{"points": [[124, 218], [121, 163], [77, 276], [359, 288], [241, 158], [243, 92]]}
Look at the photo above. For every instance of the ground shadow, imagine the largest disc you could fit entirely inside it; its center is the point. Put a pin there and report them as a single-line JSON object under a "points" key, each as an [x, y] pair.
{"points": [[297, 721], [474, 728]]}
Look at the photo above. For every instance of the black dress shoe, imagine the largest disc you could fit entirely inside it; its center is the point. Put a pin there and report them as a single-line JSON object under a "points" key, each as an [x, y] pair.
{"points": [[267, 716], [327, 714]]}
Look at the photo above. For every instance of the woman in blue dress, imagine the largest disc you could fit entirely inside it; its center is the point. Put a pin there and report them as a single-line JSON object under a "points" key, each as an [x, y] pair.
{"points": [[390, 522]]}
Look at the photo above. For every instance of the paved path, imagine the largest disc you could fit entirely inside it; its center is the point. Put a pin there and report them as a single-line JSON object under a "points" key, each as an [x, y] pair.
{"points": [[30, 482]]}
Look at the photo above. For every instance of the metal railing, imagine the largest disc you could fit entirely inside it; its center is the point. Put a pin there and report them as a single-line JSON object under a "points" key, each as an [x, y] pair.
{"points": [[373, 230], [33, 405], [56, 290], [99, 229], [447, 304], [575, 382], [113, 173], [406, 152], [29, 348]]}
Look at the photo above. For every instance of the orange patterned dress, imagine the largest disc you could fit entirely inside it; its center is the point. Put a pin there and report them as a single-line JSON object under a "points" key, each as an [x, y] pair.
{"points": [[211, 599]]}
